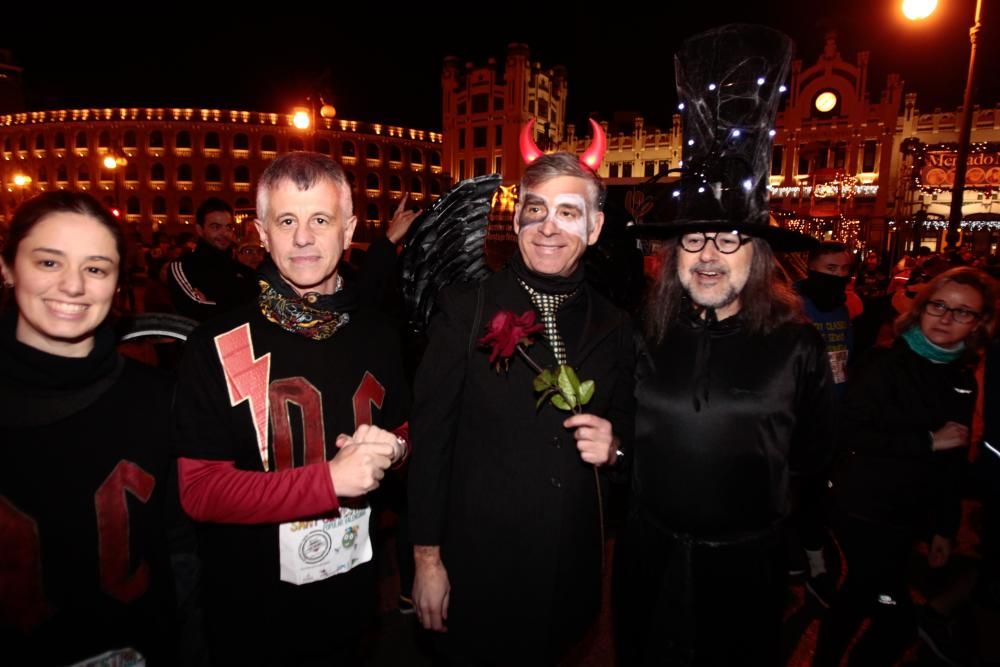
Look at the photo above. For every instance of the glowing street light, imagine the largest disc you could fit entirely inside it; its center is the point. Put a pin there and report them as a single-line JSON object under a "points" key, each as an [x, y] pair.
{"points": [[918, 10]]}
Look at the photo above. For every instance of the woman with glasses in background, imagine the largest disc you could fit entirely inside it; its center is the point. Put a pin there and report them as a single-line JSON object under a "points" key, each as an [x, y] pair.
{"points": [[905, 428]]}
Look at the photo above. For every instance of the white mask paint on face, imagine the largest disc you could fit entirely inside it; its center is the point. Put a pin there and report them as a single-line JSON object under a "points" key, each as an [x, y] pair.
{"points": [[568, 211]]}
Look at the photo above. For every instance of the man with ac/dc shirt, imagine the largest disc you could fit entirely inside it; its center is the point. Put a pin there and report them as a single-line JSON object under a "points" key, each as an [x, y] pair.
{"points": [[266, 396]]}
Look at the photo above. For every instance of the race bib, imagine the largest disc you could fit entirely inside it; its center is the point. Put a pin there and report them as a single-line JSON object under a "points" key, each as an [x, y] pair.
{"points": [[838, 364], [321, 548]]}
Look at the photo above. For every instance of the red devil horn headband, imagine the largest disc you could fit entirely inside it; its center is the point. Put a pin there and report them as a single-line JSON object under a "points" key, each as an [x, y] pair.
{"points": [[591, 158]]}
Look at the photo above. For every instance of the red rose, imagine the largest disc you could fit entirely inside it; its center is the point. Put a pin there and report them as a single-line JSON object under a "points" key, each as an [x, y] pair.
{"points": [[506, 330]]}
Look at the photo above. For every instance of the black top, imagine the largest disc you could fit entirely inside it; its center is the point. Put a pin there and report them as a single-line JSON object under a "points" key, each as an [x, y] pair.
{"points": [[724, 418], [888, 472], [81, 504], [208, 281]]}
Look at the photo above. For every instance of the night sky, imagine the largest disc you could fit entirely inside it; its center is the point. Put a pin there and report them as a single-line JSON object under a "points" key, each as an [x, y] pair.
{"points": [[385, 65]]}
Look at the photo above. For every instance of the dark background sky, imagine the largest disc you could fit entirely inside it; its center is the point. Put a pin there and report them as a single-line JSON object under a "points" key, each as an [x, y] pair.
{"points": [[384, 64]]}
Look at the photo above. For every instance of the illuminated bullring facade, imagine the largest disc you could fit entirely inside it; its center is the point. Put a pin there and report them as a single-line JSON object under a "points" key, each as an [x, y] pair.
{"points": [[156, 165]]}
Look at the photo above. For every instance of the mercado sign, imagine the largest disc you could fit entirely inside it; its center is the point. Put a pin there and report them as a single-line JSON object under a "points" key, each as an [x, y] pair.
{"points": [[938, 170]]}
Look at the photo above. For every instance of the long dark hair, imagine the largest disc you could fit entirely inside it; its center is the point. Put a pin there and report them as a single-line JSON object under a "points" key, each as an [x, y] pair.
{"points": [[766, 302], [978, 338]]}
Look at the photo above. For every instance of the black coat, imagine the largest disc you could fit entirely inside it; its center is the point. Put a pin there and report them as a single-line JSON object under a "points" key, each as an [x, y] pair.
{"points": [[724, 420], [499, 483], [888, 472]]}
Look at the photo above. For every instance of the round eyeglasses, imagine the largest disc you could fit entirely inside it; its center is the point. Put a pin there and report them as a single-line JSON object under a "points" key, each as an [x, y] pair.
{"points": [[725, 242], [960, 315]]}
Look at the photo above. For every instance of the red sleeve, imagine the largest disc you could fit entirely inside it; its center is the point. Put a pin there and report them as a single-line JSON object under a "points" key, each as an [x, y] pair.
{"points": [[216, 491]]}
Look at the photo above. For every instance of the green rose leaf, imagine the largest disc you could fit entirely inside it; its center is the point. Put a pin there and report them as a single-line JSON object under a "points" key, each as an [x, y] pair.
{"points": [[586, 392], [568, 385], [543, 380], [560, 402]]}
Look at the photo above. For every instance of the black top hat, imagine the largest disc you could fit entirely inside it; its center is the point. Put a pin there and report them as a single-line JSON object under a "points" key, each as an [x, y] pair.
{"points": [[729, 83]]}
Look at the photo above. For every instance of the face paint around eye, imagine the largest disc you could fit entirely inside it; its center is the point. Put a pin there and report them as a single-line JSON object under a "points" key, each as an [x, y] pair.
{"points": [[567, 210]]}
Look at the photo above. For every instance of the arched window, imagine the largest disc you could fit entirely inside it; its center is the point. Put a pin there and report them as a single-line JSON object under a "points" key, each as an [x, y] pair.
{"points": [[156, 139], [212, 141], [213, 174], [61, 174], [241, 142], [435, 187], [104, 139], [241, 174], [394, 154], [157, 173], [132, 205], [131, 172], [184, 173], [82, 174], [416, 185], [159, 205], [128, 139], [348, 149], [268, 143], [59, 140], [295, 144], [39, 142], [81, 139], [394, 184], [416, 157], [183, 139], [185, 206], [372, 182], [435, 159], [372, 151], [373, 213], [323, 146]]}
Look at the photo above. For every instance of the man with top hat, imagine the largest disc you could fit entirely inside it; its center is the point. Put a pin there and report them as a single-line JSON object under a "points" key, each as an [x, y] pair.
{"points": [[734, 392], [506, 493]]}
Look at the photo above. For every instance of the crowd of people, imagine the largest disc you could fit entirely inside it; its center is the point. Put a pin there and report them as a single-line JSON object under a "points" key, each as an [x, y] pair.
{"points": [[749, 421]]}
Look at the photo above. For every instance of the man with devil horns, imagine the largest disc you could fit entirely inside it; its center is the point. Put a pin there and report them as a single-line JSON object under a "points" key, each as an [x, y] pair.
{"points": [[506, 496]]}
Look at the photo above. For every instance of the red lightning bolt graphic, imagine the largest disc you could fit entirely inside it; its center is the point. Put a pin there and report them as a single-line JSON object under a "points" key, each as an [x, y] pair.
{"points": [[247, 379]]}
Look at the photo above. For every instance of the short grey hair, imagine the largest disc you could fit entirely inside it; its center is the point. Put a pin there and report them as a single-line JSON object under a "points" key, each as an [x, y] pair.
{"points": [[553, 165], [305, 169]]}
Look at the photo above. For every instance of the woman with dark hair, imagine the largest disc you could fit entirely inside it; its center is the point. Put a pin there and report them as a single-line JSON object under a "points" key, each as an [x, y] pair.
{"points": [[83, 559], [905, 426]]}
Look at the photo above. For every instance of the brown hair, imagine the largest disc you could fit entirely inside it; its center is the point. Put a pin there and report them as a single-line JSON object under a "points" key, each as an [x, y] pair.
{"points": [[978, 338], [39, 207], [766, 302]]}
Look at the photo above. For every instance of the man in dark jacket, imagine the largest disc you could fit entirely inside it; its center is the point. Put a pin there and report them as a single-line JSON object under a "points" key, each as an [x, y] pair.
{"points": [[506, 499], [734, 394], [209, 280]]}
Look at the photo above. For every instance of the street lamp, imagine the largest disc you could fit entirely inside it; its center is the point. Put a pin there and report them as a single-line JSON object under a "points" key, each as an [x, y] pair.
{"points": [[114, 164], [919, 9]]}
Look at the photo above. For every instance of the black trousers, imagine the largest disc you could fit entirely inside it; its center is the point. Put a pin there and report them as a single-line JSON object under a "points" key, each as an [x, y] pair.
{"points": [[876, 587]]}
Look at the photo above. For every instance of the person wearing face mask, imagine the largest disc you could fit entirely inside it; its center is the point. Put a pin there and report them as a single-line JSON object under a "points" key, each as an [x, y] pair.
{"points": [[905, 424], [824, 299]]}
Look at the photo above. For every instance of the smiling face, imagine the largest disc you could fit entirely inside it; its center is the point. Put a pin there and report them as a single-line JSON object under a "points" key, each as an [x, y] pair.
{"points": [[713, 279], [555, 221], [219, 230], [65, 274], [306, 232]]}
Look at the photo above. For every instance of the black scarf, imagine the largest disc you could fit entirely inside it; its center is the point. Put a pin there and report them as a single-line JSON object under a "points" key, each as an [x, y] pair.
{"points": [[825, 291], [546, 284], [313, 315], [39, 388]]}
